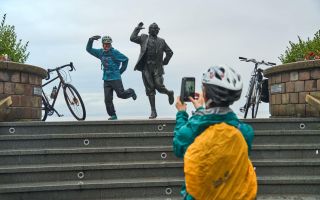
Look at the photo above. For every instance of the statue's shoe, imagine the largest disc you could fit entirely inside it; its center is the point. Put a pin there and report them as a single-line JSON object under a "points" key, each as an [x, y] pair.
{"points": [[171, 97], [153, 114], [134, 95]]}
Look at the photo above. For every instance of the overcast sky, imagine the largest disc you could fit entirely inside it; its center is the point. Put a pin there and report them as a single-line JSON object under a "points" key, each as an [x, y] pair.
{"points": [[200, 33]]}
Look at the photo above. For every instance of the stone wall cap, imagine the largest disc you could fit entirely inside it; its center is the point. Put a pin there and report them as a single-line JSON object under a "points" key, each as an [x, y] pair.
{"points": [[294, 66], [14, 66]]}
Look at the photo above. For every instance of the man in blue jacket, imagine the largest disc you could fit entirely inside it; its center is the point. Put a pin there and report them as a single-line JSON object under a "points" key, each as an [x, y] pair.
{"points": [[110, 64]]}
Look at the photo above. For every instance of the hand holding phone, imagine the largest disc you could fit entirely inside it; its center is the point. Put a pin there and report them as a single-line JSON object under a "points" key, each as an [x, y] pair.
{"points": [[198, 101], [187, 89]]}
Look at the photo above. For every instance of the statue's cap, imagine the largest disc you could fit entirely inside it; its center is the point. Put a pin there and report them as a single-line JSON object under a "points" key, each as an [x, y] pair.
{"points": [[154, 25]]}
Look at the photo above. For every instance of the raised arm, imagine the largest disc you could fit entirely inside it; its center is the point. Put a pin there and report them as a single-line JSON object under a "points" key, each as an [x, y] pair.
{"points": [[134, 36], [92, 51]]}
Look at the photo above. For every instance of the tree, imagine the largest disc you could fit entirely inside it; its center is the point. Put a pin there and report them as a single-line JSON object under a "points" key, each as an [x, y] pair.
{"points": [[9, 44]]}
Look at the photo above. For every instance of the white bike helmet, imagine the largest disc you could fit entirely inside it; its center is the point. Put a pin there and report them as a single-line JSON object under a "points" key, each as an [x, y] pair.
{"points": [[106, 39], [222, 85]]}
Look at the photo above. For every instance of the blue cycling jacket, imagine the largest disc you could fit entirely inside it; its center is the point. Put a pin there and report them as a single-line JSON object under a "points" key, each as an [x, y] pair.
{"points": [[110, 61]]}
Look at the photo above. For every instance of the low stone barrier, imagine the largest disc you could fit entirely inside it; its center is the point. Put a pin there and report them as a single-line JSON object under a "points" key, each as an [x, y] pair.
{"points": [[23, 83], [289, 84]]}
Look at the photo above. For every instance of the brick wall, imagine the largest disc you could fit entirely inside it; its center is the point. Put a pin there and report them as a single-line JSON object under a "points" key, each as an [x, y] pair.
{"points": [[288, 90], [23, 87]]}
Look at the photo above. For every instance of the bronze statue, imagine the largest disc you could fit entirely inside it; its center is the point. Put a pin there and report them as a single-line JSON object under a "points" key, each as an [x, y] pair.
{"points": [[151, 61]]}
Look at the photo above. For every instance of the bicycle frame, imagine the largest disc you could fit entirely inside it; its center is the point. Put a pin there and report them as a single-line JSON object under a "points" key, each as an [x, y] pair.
{"points": [[257, 76], [255, 87], [51, 106], [71, 96]]}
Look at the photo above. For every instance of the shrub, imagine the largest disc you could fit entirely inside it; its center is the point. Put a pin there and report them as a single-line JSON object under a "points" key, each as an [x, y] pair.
{"points": [[302, 50], [9, 44]]}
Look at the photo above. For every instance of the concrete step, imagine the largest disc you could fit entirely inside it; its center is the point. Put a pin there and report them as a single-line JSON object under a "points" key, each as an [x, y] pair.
{"points": [[284, 123], [95, 171], [91, 140], [144, 153], [143, 188], [86, 155], [262, 197], [288, 197], [294, 151], [287, 167], [95, 140], [158, 125], [97, 189], [289, 185], [283, 137], [89, 171], [153, 198], [116, 126]]}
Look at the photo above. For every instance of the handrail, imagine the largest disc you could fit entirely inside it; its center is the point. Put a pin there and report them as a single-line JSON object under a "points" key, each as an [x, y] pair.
{"points": [[4, 103], [313, 101]]}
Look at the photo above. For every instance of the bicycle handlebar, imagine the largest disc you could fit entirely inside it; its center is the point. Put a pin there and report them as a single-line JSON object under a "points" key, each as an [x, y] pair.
{"points": [[256, 62], [59, 68], [270, 63]]}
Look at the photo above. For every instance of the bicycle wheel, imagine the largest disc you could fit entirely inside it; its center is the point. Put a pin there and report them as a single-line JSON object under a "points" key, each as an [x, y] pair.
{"points": [[249, 101], [74, 102], [256, 100], [44, 109]]}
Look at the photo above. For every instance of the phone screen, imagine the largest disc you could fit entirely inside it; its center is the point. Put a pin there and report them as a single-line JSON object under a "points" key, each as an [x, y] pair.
{"points": [[187, 88]]}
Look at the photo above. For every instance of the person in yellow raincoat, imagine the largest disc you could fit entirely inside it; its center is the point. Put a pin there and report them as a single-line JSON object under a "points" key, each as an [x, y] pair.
{"points": [[214, 143]]}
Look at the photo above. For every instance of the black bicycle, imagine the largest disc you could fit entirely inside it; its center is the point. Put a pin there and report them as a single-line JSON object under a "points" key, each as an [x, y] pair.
{"points": [[257, 83], [71, 96]]}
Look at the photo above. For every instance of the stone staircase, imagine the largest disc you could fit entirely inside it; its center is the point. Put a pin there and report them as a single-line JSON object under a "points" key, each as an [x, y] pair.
{"points": [[133, 159]]}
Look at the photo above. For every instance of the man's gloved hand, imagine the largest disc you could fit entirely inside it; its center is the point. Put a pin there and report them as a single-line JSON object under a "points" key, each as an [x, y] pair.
{"points": [[140, 26], [96, 37]]}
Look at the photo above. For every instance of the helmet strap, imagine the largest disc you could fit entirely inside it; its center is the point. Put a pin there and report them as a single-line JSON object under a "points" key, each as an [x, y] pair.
{"points": [[208, 103]]}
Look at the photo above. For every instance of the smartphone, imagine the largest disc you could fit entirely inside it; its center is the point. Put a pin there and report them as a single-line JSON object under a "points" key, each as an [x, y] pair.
{"points": [[187, 89]]}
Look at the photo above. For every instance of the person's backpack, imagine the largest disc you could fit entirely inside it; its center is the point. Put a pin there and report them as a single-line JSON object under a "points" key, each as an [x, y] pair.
{"points": [[217, 166]]}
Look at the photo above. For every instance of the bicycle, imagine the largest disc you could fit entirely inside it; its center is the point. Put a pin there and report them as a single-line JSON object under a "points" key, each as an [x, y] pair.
{"points": [[254, 93], [71, 96]]}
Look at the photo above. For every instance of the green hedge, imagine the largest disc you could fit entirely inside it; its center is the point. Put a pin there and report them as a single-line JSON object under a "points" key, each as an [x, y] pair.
{"points": [[302, 50]]}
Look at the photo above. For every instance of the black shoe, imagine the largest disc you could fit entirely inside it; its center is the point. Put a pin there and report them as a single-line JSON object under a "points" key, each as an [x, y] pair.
{"points": [[153, 114], [134, 95], [171, 97]]}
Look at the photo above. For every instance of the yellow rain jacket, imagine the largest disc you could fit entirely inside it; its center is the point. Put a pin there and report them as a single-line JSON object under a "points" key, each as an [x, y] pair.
{"points": [[215, 148]]}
